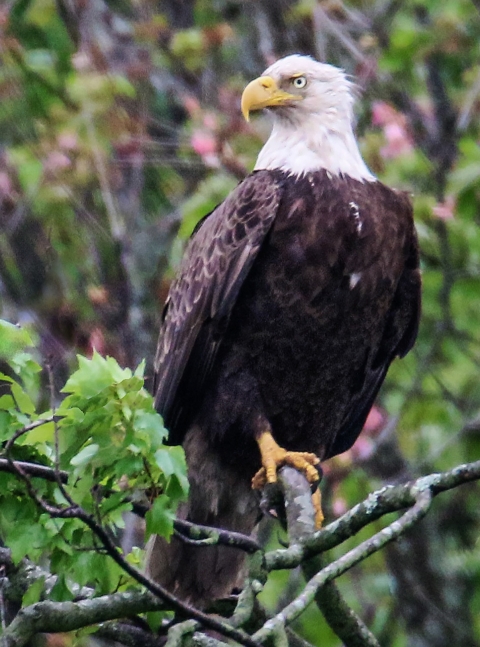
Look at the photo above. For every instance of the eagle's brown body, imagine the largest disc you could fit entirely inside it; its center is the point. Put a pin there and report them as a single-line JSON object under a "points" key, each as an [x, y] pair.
{"points": [[292, 300]]}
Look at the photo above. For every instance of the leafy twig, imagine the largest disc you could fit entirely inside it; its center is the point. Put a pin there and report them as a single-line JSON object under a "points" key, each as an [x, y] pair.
{"points": [[386, 500], [186, 529], [76, 512], [33, 77], [29, 427]]}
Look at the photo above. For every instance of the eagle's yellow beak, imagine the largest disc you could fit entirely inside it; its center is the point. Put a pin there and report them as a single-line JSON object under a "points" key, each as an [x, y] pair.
{"points": [[263, 93]]}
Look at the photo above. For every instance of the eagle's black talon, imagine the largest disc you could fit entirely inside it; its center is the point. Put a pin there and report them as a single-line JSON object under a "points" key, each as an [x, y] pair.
{"points": [[315, 485]]}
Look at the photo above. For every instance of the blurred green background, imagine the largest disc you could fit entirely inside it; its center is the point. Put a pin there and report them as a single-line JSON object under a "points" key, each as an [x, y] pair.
{"points": [[120, 127]]}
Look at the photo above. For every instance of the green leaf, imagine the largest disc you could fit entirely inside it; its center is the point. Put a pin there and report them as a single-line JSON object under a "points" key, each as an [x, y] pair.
{"points": [[7, 403], [209, 193], [140, 370], [41, 434], [23, 401], [70, 414], [34, 592], [94, 375], [29, 173], [171, 460], [155, 619], [85, 455], [13, 339], [151, 422], [159, 519], [60, 592], [26, 536]]}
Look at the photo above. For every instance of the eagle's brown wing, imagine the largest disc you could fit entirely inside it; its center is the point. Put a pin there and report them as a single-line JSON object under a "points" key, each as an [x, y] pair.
{"points": [[400, 332], [217, 260]]}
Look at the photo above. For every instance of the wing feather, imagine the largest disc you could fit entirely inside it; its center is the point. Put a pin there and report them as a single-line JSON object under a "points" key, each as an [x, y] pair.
{"points": [[217, 260], [398, 338]]}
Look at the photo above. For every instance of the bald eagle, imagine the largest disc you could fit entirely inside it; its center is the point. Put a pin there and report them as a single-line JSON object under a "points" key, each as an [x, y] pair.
{"points": [[294, 296]]}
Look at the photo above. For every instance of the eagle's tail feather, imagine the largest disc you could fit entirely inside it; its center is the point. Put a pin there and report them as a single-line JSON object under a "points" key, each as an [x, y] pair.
{"points": [[221, 497]]}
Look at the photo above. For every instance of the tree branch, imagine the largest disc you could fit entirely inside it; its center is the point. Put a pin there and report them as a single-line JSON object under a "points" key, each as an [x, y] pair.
{"points": [[343, 620], [55, 617], [423, 499], [127, 634], [33, 469], [196, 532], [391, 498], [300, 520], [19, 577]]}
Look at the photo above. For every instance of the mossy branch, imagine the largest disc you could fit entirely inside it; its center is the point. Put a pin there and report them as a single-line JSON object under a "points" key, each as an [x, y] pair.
{"points": [[53, 617]]}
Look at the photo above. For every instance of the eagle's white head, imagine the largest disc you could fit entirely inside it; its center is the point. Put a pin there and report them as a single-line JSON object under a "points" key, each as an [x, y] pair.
{"points": [[312, 108]]}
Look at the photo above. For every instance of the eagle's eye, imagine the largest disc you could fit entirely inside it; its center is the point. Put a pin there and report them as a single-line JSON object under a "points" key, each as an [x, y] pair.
{"points": [[299, 82]]}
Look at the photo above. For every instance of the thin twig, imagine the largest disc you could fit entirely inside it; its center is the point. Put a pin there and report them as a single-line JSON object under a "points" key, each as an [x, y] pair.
{"points": [[117, 226], [209, 541], [32, 77], [155, 588], [33, 469], [467, 109], [323, 21], [223, 537], [30, 427], [3, 618]]}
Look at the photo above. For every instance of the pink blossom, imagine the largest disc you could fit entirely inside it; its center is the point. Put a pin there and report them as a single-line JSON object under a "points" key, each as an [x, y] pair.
{"points": [[362, 449], [203, 143], [339, 506], [68, 141], [96, 342], [398, 141], [394, 129], [56, 161], [6, 186], [191, 104], [382, 113], [81, 61], [210, 121], [445, 210], [375, 421]]}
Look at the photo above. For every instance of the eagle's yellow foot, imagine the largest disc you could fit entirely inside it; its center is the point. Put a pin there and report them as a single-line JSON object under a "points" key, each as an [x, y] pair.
{"points": [[317, 505], [274, 456]]}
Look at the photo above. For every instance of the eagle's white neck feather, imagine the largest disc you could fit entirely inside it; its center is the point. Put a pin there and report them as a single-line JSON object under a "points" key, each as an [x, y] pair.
{"points": [[312, 147]]}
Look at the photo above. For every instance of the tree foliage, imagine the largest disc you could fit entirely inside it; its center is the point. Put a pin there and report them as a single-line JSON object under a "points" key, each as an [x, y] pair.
{"points": [[120, 128], [102, 443]]}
